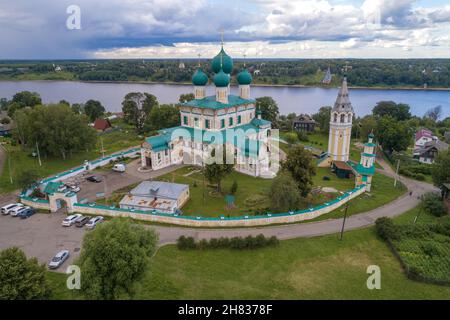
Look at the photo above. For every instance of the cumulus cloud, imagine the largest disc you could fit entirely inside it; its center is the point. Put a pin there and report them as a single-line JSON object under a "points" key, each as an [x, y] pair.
{"points": [[36, 29]]}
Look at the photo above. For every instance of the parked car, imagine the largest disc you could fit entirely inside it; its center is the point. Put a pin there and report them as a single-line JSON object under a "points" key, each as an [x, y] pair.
{"points": [[70, 220], [27, 212], [58, 259], [74, 189], [95, 179], [6, 209], [93, 222], [119, 167], [81, 221], [16, 210]]}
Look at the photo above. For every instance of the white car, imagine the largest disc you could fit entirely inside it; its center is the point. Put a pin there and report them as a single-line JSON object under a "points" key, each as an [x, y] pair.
{"points": [[14, 212], [6, 209], [58, 259], [119, 167], [70, 220], [93, 222], [74, 188]]}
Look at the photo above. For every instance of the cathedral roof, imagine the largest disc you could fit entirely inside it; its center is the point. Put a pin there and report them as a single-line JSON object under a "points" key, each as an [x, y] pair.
{"points": [[343, 103], [211, 103]]}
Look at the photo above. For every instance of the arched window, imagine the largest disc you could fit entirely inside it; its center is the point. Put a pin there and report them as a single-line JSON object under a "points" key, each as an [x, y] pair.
{"points": [[342, 118], [335, 117], [349, 117]]}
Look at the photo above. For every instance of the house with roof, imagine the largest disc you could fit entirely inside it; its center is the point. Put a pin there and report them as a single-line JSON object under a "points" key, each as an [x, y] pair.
{"points": [[422, 137], [447, 136], [428, 153], [102, 124], [156, 195], [304, 123], [225, 121]]}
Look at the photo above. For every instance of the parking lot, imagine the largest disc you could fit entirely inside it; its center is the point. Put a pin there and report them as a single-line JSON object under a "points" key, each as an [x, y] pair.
{"points": [[41, 236]]}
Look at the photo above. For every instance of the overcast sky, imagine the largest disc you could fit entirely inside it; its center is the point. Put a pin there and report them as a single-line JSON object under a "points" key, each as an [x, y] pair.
{"points": [[36, 29]]}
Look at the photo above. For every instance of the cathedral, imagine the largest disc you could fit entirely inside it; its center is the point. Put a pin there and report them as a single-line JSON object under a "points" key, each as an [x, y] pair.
{"points": [[229, 121]]}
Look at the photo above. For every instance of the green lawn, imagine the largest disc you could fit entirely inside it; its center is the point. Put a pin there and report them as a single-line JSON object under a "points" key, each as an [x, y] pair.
{"points": [[214, 204], [304, 268], [383, 191], [22, 160]]}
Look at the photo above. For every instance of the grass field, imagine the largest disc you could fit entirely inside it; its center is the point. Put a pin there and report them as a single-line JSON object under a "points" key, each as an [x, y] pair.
{"points": [[22, 160], [314, 268]]}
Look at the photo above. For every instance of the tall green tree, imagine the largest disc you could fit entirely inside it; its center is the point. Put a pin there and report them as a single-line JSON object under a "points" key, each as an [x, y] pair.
{"points": [[269, 108], [114, 257], [323, 119], [27, 178], [284, 194], [299, 163], [440, 170], [21, 279], [186, 97], [162, 116], [56, 129], [392, 134], [216, 171], [94, 109], [136, 107], [398, 111]]}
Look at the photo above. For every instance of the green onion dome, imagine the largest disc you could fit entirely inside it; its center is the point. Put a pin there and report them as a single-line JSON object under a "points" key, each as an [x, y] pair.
{"points": [[244, 77], [222, 61], [221, 79], [199, 78]]}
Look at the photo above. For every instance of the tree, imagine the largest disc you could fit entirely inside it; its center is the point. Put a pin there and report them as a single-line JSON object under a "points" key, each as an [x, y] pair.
{"points": [[93, 109], [269, 108], [114, 256], [323, 119], [78, 108], [23, 99], [27, 178], [440, 170], [215, 172], [364, 126], [434, 113], [299, 164], [399, 111], [234, 187], [136, 107], [162, 116], [21, 279], [284, 194], [392, 135], [186, 97], [56, 128]]}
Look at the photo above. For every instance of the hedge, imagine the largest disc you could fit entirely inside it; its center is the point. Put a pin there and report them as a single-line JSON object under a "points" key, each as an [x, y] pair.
{"points": [[240, 243]]}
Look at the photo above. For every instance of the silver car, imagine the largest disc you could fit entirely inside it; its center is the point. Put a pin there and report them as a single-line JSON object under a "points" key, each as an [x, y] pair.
{"points": [[93, 222], [58, 259]]}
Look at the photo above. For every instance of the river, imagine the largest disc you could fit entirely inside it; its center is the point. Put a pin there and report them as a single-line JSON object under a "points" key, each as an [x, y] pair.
{"points": [[289, 99]]}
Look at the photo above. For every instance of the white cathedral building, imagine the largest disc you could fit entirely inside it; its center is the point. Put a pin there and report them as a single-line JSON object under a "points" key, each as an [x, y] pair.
{"points": [[223, 119]]}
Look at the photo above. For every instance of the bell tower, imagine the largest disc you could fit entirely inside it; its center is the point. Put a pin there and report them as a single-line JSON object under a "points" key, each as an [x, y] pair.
{"points": [[341, 126]]}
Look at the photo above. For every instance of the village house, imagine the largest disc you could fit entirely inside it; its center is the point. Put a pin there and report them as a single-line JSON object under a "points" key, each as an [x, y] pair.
{"points": [[304, 123], [428, 153]]}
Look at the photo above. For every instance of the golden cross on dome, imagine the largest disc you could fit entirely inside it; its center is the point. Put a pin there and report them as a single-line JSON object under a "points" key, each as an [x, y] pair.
{"points": [[245, 56], [221, 36], [199, 55]]}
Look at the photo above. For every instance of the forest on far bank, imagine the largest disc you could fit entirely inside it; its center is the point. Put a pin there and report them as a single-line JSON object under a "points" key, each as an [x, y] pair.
{"points": [[405, 73]]}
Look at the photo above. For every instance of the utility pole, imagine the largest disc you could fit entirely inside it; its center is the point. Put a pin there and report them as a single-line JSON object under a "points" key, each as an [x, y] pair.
{"points": [[396, 173], [343, 222], [38, 154], [103, 149]]}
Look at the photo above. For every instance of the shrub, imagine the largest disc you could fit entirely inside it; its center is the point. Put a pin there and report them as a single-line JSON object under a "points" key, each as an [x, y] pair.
{"points": [[239, 243], [385, 228], [234, 187], [185, 243], [302, 136], [433, 204]]}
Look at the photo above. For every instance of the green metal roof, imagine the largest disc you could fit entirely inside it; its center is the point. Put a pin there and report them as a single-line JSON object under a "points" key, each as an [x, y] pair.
{"points": [[161, 141], [221, 79], [244, 77], [368, 144], [199, 78], [260, 122], [365, 171], [52, 187], [222, 61], [371, 155], [211, 103]]}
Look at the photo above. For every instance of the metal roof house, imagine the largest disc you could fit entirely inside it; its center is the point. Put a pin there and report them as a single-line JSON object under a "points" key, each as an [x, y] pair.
{"points": [[156, 195]]}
